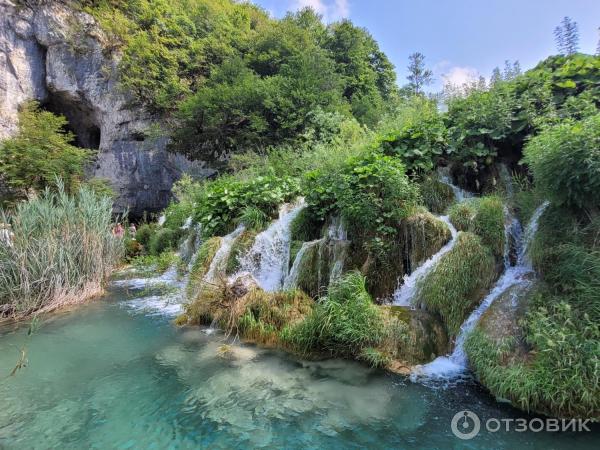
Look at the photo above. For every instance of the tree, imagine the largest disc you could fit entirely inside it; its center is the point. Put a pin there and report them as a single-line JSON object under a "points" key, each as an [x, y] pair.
{"points": [[418, 75], [598, 46], [567, 36], [511, 70], [496, 76], [41, 150]]}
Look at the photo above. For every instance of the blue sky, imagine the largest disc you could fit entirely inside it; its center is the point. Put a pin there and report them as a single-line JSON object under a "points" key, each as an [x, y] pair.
{"points": [[460, 38]]}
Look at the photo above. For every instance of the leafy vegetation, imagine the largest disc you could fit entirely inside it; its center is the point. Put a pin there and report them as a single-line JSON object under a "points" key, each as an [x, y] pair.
{"points": [[40, 151], [565, 162]]}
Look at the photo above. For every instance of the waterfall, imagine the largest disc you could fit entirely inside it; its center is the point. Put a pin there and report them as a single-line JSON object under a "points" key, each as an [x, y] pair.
{"points": [[268, 259], [445, 367], [406, 292], [217, 265], [459, 193], [291, 281]]}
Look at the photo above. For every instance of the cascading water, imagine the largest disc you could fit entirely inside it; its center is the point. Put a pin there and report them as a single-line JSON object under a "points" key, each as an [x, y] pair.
{"points": [[445, 367], [291, 281], [217, 265], [406, 292], [268, 259], [459, 193]]}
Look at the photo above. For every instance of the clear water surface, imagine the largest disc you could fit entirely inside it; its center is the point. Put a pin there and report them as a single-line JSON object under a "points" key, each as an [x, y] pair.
{"points": [[117, 374]]}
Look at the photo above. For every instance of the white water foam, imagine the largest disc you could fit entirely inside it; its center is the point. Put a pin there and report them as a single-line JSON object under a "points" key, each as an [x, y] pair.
{"points": [[406, 292], [268, 259], [217, 265], [455, 364]]}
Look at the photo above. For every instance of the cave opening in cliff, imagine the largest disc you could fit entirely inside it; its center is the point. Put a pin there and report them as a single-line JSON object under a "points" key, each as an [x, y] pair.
{"points": [[81, 117]]}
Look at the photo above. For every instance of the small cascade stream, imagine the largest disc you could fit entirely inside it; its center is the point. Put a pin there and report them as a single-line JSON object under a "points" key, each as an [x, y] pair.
{"points": [[268, 259], [217, 265], [459, 193], [406, 292], [453, 365]]}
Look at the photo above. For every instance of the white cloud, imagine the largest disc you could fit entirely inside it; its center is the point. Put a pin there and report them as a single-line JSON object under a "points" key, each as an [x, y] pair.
{"points": [[331, 10], [458, 76]]}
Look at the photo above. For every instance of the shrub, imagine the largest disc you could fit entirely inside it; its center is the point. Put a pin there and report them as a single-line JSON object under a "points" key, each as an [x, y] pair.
{"points": [[458, 282], [144, 233], [483, 216], [62, 252], [560, 375], [436, 195], [164, 239], [343, 323], [253, 218], [565, 162], [40, 151], [417, 136], [227, 198]]}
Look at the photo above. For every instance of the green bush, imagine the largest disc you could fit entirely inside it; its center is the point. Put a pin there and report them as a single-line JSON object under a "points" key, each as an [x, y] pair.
{"points": [[343, 323], [483, 216], [253, 218], [458, 282], [164, 239], [226, 198], [144, 233], [155, 263], [40, 151], [371, 192], [417, 136], [565, 162], [560, 375]]}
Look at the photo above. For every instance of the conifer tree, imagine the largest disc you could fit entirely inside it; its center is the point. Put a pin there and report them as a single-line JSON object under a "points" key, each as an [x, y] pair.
{"points": [[418, 75], [567, 36]]}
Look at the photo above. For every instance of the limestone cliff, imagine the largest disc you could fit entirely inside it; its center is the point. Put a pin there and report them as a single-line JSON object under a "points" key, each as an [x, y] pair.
{"points": [[60, 57]]}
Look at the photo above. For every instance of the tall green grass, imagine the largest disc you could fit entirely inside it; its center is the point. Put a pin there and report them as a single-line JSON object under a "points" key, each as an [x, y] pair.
{"points": [[62, 252]]}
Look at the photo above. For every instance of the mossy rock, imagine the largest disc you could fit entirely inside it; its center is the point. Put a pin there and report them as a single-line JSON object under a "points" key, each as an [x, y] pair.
{"points": [[422, 335], [305, 227], [459, 281], [239, 248], [295, 247], [424, 236], [437, 196], [483, 216], [201, 264]]}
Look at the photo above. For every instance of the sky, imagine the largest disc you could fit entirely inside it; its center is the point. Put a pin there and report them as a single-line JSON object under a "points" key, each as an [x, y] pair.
{"points": [[460, 39]]}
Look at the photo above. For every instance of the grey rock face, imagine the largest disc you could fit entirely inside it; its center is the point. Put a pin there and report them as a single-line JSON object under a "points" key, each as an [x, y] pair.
{"points": [[60, 58]]}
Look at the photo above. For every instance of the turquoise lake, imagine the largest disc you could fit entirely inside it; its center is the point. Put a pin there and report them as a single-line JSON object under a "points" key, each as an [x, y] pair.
{"points": [[116, 373]]}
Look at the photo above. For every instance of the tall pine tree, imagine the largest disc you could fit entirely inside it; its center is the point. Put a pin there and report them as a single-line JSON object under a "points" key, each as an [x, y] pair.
{"points": [[567, 36], [418, 75]]}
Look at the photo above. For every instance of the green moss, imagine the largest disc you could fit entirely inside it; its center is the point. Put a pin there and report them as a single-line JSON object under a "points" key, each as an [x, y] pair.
{"points": [[483, 216], [305, 226], [201, 264], [239, 248], [424, 235], [436, 195], [459, 281], [295, 247]]}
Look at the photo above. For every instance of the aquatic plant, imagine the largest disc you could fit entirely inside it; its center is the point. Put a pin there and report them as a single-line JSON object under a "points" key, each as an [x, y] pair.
{"points": [[62, 252]]}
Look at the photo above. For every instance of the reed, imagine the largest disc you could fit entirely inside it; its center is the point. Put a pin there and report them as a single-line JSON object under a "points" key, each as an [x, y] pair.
{"points": [[62, 251]]}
